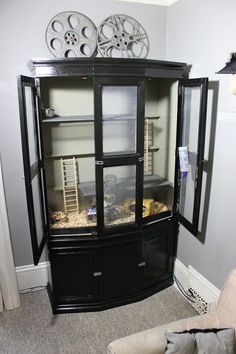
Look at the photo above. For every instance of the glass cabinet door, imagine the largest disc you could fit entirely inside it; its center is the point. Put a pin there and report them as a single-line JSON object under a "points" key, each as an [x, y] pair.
{"points": [[118, 151], [33, 166], [69, 153], [190, 150]]}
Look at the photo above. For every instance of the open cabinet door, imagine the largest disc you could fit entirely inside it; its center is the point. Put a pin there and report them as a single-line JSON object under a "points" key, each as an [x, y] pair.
{"points": [[33, 166], [192, 102]]}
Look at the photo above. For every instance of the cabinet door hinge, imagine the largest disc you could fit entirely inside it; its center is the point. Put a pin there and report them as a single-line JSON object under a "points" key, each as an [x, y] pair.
{"points": [[179, 89], [176, 209], [196, 177], [37, 87]]}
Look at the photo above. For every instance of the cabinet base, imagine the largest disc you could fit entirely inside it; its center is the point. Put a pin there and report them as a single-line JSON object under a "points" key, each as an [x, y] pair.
{"points": [[60, 307]]}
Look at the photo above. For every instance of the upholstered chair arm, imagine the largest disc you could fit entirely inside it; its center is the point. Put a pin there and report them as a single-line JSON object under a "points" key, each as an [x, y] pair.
{"points": [[150, 341]]}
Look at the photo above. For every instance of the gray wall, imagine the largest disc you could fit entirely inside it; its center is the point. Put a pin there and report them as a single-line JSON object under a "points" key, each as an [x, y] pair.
{"points": [[203, 33], [23, 24]]}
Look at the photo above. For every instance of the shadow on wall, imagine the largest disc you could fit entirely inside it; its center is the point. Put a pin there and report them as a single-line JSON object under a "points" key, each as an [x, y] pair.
{"points": [[213, 89]]}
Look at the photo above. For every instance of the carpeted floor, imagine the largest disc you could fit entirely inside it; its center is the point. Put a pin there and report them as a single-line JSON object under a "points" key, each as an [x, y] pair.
{"points": [[32, 329]]}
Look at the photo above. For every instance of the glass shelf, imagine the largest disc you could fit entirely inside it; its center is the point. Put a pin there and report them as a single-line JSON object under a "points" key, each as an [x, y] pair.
{"points": [[153, 117], [69, 119], [90, 118], [88, 188], [79, 155]]}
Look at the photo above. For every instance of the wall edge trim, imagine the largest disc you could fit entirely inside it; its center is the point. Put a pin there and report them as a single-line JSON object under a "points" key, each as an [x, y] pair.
{"points": [[31, 276]]}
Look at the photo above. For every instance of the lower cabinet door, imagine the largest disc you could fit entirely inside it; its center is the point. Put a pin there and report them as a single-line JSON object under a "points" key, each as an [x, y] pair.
{"points": [[119, 270], [158, 255], [95, 277], [156, 259], [74, 275]]}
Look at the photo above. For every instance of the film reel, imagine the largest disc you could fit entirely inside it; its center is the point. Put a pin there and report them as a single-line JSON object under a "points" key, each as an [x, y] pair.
{"points": [[122, 36], [71, 34]]}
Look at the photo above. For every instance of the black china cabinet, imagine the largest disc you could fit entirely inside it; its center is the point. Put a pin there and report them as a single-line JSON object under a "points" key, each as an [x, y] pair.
{"points": [[113, 159]]}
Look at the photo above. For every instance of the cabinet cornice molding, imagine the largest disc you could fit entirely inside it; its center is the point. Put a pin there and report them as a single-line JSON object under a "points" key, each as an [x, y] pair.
{"points": [[153, 2]]}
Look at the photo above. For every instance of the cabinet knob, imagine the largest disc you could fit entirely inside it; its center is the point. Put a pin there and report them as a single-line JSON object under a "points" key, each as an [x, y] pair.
{"points": [[99, 163], [97, 274], [142, 264]]}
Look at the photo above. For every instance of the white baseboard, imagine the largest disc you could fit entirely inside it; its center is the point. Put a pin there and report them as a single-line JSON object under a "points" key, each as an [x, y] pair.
{"points": [[206, 288], [190, 278], [32, 276]]}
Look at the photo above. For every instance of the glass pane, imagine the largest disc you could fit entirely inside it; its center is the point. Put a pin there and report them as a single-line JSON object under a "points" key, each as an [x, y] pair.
{"points": [[31, 127], [119, 195], [189, 141], [159, 146], [157, 188], [68, 139], [39, 218], [44, 206], [68, 96], [119, 107], [70, 174]]}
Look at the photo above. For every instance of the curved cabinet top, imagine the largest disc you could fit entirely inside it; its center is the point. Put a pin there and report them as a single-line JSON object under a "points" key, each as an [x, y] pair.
{"points": [[107, 67]]}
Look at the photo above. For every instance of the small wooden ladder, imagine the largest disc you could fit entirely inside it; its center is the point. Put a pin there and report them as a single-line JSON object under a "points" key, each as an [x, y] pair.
{"points": [[69, 183], [148, 142]]}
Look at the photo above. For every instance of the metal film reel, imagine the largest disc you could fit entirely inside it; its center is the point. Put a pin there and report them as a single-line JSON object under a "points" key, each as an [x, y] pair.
{"points": [[71, 34], [123, 37]]}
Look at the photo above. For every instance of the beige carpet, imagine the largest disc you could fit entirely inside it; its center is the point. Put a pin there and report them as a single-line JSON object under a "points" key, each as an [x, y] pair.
{"points": [[32, 329]]}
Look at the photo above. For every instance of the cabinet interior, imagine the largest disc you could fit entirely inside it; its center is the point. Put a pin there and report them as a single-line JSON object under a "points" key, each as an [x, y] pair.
{"points": [[69, 150]]}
